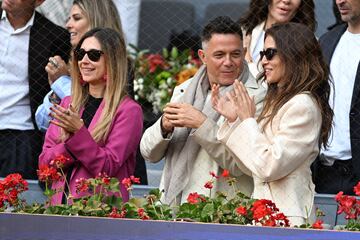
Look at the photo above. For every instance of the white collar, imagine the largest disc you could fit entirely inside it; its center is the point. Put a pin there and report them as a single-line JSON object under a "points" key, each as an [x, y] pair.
{"points": [[27, 25]]}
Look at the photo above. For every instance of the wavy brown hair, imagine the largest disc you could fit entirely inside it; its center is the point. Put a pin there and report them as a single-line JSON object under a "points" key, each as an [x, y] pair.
{"points": [[259, 10], [305, 71]]}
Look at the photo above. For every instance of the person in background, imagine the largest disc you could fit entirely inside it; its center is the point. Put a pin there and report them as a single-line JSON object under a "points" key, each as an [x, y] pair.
{"points": [[337, 15], [99, 127], [262, 14], [129, 11], [56, 11], [279, 146], [338, 167], [28, 39], [185, 135]]}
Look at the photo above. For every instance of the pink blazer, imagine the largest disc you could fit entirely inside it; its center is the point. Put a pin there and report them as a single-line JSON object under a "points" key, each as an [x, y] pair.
{"points": [[116, 157]]}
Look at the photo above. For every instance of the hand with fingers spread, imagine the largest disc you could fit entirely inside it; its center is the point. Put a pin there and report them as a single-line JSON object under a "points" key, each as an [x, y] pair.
{"points": [[244, 104], [66, 118], [56, 68], [183, 115], [222, 104]]}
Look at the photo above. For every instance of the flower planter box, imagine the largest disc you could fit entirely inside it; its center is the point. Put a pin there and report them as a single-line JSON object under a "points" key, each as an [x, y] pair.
{"points": [[27, 226]]}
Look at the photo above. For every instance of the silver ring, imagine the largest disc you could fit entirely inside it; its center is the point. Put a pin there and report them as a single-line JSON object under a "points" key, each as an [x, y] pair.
{"points": [[54, 62]]}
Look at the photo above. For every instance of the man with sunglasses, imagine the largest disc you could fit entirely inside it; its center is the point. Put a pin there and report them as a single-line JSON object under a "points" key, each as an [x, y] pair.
{"points": [[28, 39], [185, 135], [338, 167]]}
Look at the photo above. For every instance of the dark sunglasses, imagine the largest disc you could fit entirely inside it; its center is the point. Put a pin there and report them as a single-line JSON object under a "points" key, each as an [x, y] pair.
{"points": [[268, 53], [93, 54]]}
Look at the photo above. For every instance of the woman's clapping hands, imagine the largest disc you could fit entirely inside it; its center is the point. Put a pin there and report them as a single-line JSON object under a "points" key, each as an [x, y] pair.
{"points": [[66, 118], [235, 104]]}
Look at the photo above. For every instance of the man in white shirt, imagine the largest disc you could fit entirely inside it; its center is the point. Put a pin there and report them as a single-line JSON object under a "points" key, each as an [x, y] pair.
{"points": [[338, 166], [27, 41]]}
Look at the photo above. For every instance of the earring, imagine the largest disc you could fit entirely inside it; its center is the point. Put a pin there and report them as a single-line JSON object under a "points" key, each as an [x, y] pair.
{"points": [[82, 82], [105, 77]]}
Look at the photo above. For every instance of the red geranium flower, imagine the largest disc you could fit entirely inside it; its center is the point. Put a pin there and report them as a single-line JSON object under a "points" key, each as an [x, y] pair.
{"points": [[104, 178], [10, 188], [82, 185], [225, 173], [209, 185], [213, 174], [115, 213], [48, 174], [127, 183], [357, 189], [134, 179], [318, 224], [59, 161], [142, 214], [241, 210], [193, 198]]}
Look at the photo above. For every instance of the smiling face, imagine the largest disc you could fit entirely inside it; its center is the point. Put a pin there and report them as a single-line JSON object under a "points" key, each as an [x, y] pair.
{"points": [[223, 56], [282, 11], [274, 69], [77, 25], [92, 72]]}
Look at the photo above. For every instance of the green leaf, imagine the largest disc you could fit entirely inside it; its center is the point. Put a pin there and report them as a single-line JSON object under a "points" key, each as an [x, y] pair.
{"points": [[208, 212], [165, 53], [174, 53]]}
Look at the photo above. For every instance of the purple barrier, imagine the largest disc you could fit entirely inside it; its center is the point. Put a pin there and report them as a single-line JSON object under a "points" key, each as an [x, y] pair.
{"points": [[39, 227]]}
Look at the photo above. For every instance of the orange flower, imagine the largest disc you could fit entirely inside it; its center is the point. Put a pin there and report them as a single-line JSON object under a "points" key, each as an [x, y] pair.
{"points": [[185, 75]]}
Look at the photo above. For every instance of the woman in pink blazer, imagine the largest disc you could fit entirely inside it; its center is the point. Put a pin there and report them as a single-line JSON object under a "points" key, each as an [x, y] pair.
{"points": [[99, 127], [278, 148]]}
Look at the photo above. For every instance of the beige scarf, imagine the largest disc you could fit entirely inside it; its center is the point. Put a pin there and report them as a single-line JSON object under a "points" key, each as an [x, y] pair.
{"points": [[183, 149]]}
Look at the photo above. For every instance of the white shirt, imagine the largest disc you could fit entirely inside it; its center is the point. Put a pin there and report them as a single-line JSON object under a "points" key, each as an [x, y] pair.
{"points": [[343, 67], [129, 11], [15, 110], [259, 46], [56, 11]]}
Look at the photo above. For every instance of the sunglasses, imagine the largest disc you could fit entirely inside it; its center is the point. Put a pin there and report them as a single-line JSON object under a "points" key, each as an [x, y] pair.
{"points": [[269, 53], [93, 54]]}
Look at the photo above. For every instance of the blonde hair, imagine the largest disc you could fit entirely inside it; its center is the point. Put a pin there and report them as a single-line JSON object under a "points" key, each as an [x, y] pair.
{"points": [[101, 13], [113, 45]]}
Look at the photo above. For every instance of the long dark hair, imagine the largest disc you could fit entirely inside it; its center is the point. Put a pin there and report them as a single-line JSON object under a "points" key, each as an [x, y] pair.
{"points": [[305, 71], [259, 10]]}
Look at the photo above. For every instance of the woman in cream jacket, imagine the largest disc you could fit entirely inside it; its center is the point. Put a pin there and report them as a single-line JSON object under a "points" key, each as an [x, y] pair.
{"points": [[278, 148]]}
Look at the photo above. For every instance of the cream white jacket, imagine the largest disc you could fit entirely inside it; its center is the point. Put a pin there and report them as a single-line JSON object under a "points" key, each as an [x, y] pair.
{"points": [[279, 157]]}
